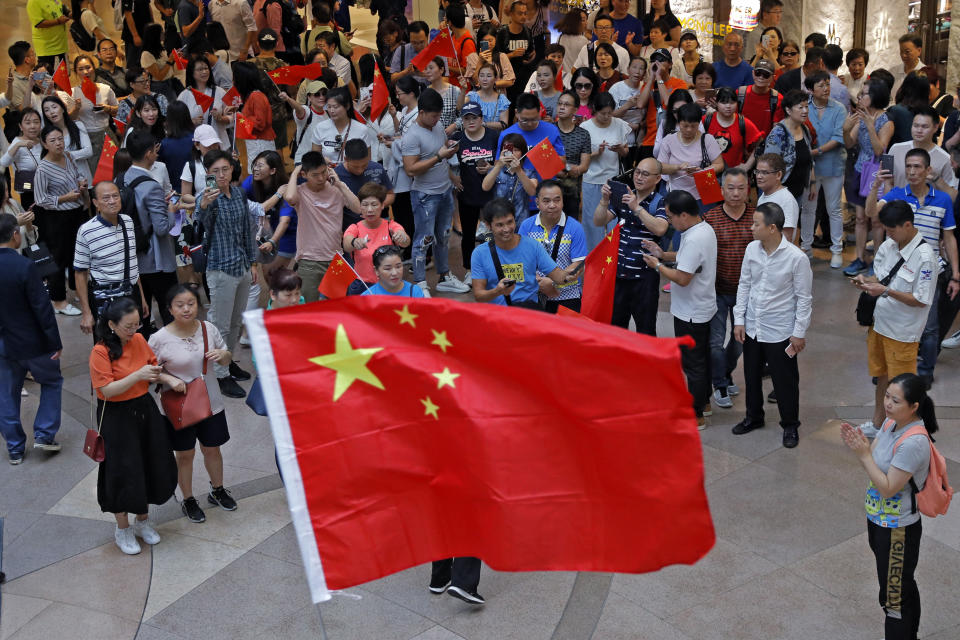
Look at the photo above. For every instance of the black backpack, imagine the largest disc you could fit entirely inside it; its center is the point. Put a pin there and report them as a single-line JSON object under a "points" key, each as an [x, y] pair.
{"points": [[128, 206], [84, 40], [292, 24]]}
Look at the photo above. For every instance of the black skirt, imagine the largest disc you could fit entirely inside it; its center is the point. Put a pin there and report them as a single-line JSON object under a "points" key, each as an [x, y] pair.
{"points": [[138, 467]]}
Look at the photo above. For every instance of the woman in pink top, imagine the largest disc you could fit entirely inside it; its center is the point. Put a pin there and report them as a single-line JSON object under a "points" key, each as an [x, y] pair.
{"points": [[363, 238]]}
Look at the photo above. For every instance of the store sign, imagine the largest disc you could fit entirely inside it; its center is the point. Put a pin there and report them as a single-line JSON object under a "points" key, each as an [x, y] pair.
{"points": [[743, 14], [707, 30]]}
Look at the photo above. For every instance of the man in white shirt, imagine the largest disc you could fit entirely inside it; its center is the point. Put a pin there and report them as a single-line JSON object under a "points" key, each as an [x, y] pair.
{"points": [[911, 50], [328, 41], [770, 171], [236, 16], [926, 121], [774, 305], [904, 283], [603, 28], [693, 299]]}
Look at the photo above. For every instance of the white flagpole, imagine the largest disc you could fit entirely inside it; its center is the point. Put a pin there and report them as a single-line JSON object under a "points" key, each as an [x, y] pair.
{"points": [[323, 631]]}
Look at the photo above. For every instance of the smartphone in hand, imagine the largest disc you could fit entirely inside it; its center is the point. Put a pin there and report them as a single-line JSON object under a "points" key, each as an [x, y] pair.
{"points": [[886, 163]]}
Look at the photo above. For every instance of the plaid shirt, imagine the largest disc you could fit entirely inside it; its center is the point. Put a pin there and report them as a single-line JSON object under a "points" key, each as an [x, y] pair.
{"points": [[233, 248]]}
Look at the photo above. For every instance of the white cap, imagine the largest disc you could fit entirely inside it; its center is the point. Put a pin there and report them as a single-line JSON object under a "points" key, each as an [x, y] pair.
{"points": [[206, 135]]}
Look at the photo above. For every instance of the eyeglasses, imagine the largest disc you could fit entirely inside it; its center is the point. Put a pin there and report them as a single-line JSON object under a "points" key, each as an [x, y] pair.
{"points": [[130, 328], [565, 103], [220, 171], [583, 86], [141, 80], [108, 48], [610, 28], [760, 73], [528, 120], [764, 172], [644, 174]]}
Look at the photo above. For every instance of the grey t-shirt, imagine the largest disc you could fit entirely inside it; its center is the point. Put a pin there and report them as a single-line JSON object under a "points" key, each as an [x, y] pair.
{"points": [[424, 143], [913, 456]]}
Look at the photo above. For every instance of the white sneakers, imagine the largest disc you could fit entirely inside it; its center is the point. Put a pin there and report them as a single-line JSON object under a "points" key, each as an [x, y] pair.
{"points": [[836, 261], [952, 342], [126, 539], [424, 287], [68, 310], [451, 284]]}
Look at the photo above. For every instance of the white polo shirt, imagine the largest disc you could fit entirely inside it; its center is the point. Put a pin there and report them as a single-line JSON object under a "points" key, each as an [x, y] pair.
{"points": [[918, 276], [696, 302]]}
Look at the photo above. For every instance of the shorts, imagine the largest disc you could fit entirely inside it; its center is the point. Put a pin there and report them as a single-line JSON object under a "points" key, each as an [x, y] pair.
{"points": [[211, 432], [888, 358]]}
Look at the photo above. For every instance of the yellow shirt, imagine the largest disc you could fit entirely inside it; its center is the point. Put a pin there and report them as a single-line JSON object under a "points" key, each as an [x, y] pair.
{"points": [[51, 41]]}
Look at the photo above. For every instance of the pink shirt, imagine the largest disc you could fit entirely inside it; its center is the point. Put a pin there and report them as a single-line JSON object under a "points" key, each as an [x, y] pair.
{"points": [[319, 220], [376, 238]]}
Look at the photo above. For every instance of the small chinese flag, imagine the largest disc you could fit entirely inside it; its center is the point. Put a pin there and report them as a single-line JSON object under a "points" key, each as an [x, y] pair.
{"points": [[287, 75], [178, 59], [244, 130], [380, 97], [410, 440], [338, 278], [89, 89], [203, 100], [558, 81], [61, 77], [600, 278], [312, 71], [232, 98], [359, 117], [441, 45], [545, 159], [707, 186], [105, 164], [120, 125]]}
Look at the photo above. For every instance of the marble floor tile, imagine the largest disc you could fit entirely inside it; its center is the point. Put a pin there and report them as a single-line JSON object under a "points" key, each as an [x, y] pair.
{"points": [[624, 619], [81, 501], [256, 519], [50, 539], [718, 463], [437, 633], [281, 545], [78, 623], [146, 632], [16, 611]]}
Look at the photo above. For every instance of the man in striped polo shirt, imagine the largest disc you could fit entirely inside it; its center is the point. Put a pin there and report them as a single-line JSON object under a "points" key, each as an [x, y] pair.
{"points": [[933, 218], [105, 264]]}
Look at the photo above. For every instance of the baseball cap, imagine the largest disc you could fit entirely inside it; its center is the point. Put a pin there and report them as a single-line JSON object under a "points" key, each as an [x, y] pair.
{"points": [[689, 33], [315, 86], [471, 109], [206, 135], [764, 65], [662, 54]]}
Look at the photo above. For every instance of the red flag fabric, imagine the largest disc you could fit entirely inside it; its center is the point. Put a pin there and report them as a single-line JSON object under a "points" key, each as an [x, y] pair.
{"points": [[232, 98], [544, 158], [105, 164], [404, 439], [312, 71], [61, 77], [338, 278], [558, 81], [120, 125], [244, 129], [291, 75], [178, 59], [600, 278], [203, 100], [441, 45], [380, 97], [89, 89], [708, 186]]}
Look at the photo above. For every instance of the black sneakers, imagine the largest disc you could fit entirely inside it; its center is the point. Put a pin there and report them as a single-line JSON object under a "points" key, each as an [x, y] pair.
{"points": [[470, 597], [745, 426], [772, 397], [790, 437], [230, 388], [219, 496], [438, 586], [191, 509], [238, 373]]}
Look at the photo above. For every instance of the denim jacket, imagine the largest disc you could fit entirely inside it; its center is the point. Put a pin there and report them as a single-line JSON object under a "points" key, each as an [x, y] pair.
{"points": [[829, 127], [780, 141]]}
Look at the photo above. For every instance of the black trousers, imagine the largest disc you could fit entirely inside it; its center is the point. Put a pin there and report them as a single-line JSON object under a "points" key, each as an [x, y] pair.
{"points": [[638, 299], [896, 551], [696, 361], [572, 303], [155, 287], [460, 572], [58, 229], [403, 215], [469, 217], [784, 374]]}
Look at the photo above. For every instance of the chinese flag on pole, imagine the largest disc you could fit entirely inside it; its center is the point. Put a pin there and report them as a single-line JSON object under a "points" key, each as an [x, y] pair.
{"points": [[287, 75], [120, 125], [338, 278], [545, 159], [403, 439], [89, 90], [203, 100], [707, 186], [105, 164], [600, 277], [441, 45], [244, 129], [232, 98], [380, 96], [178, 59], [61, 77]]}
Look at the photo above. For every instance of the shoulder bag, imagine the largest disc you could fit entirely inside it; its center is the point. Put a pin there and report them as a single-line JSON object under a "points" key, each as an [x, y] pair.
{"points": [[868, 303], [541, 297], [93, 446], [528, 304], [193, 405]]}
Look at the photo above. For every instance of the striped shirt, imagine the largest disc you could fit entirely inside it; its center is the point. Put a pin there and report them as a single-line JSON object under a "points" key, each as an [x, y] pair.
{"points": [[630, 262], [232, 247], [733, 236], [99, 250], [53, 181], [934, 215]]}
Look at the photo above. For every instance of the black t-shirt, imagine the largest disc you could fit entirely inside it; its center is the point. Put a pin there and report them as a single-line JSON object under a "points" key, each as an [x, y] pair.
{"points": [[142, 16], [188, 12], [507, 42], [800, 174], [469, 153], [648, 22]]}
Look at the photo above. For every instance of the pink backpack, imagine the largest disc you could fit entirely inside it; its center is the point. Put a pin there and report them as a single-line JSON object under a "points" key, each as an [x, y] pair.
{"points": [[934, 499]]}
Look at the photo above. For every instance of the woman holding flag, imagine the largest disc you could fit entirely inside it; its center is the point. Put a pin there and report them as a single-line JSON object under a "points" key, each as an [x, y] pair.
{"points": [[256, 115], [92, 104], [343, 124], [205, 100]]}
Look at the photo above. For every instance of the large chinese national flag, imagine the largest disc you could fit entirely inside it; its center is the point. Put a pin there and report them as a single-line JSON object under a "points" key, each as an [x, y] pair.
{"points": [[410, 430], [600, 278], [441, 45]]}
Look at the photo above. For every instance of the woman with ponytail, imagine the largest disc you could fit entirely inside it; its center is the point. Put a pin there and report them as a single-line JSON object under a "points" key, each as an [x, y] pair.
{"points": [[898, 469], [138, 467]]}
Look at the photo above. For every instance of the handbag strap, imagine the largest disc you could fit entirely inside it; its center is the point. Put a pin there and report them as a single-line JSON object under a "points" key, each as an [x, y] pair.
{"points": [[498, 268], [886, 281], [126, 250], [102, 411], [556, 244], [203, 328]]}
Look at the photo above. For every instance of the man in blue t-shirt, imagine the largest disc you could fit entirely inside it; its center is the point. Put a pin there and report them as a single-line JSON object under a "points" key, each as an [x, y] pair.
{"points": [[568, 252], [626, 25], [519, 260], [357, 170], [733, 71], [532, 129]]}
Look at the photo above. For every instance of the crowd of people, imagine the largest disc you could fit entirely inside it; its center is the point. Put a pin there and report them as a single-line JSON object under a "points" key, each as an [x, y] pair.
{"points": [[198, 208]]}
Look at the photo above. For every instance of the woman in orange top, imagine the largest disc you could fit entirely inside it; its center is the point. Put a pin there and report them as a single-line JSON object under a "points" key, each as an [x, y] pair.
{"points": [[138, 466], [256, 110]]}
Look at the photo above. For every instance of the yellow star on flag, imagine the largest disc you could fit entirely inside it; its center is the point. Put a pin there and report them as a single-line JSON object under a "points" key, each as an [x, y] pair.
{"points": [[440, 339], [349, 363], [610, 237], [446, 377], [429, 409], [544, 146], [406, 317], [609, 259]]}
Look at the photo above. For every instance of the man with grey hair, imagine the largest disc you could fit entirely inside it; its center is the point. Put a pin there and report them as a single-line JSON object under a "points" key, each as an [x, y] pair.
{"points": [[771, 318], [732, 70]]}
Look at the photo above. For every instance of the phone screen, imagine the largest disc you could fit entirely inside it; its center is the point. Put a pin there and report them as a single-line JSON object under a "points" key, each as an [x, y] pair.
{"points": [[484, 45], [711, 94], [886, 162], [211, 182]]}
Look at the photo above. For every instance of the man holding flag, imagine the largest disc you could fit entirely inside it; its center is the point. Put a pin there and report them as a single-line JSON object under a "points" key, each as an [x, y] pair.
{"points": [[533, 130]]}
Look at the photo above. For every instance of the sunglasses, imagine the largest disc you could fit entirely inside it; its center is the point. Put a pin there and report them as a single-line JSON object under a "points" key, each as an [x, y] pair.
{"points": [[583, 85], [761, 73], [789, 53]]}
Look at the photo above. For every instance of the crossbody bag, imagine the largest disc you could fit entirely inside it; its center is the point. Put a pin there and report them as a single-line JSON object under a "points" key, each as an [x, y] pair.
{"points": [[867, 303]]}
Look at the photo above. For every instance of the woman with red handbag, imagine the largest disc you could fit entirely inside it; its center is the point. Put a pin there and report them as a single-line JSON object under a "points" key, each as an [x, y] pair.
{"points": [[138, 468], [195, 411]]}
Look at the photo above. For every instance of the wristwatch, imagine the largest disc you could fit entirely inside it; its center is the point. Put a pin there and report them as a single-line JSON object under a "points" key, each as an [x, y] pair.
{"points": [[886, 293]]}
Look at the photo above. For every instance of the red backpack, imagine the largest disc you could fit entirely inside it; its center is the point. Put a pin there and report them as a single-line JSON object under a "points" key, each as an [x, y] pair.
{"points": [[934, 499]]}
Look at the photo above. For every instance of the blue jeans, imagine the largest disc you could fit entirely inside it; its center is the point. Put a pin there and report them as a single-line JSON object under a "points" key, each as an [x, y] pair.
{"points": [[47, 421], [590, 198], [930, 340], [723, 359], [432, 217]]}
